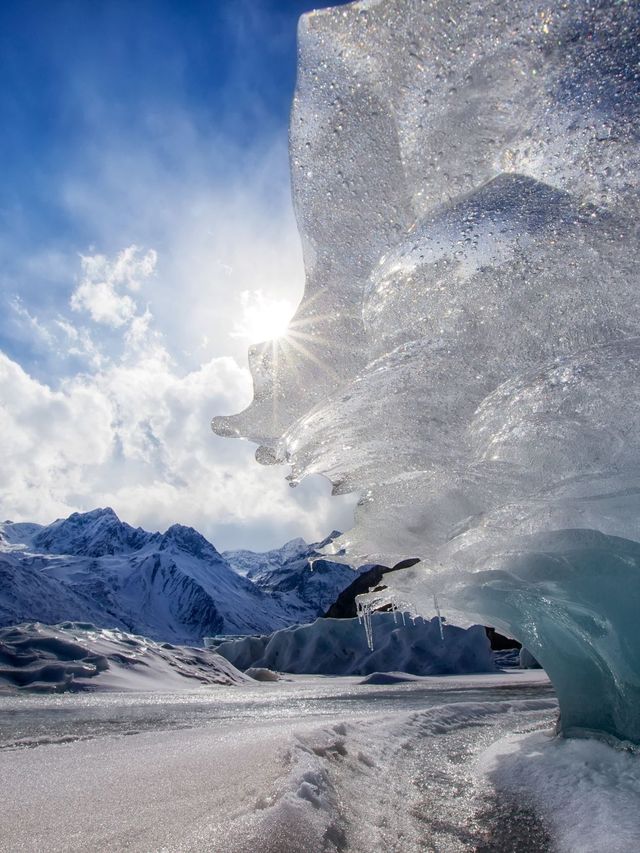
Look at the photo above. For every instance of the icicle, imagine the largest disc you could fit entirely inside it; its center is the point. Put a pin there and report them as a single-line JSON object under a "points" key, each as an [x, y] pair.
{"points": [[394, 610], [437, 607], [364, 615], [368, 624]]}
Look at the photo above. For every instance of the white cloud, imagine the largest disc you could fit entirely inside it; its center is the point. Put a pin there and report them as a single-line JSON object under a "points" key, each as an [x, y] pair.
{"points": [[129, 365], [132, 432], [158, 342], [77, 341], [49, 439], [217, 236], [35, 327], [100, 291]]}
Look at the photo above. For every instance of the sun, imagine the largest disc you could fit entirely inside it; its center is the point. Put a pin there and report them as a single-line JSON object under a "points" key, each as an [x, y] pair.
{"points": [[263, 317]]}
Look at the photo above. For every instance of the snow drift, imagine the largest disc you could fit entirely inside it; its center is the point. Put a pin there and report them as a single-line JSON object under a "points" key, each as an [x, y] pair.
{"points": [[74, 656], [467, 353], [339, 647], [586, 792]]}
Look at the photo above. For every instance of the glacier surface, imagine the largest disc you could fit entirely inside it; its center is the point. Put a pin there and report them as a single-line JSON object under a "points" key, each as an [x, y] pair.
{"points": [[466, 356], [279, 768]]}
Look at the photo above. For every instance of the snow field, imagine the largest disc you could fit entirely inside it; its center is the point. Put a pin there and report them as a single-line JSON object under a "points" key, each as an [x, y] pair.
{"points": [[481, 774], [587, 791], [74, 656], [351, 769]]}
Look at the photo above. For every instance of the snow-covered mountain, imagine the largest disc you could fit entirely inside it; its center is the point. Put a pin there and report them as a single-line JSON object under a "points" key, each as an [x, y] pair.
{"points": [[174, 586], [91, 534], [295, 576]]}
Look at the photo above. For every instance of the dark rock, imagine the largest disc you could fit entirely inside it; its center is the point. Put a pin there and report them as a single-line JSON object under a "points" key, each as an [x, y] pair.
{"points": [[344, 607]]}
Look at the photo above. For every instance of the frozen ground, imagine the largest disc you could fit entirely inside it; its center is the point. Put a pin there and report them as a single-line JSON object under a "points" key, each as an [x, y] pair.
{"points": [[311, 764], [295, 764]]}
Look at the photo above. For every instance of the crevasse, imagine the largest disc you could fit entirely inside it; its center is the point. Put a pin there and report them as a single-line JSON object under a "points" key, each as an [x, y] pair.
{"points": [[466, 355]]}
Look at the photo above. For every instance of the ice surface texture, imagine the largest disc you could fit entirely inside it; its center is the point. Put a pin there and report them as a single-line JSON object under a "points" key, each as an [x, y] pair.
{"points": [[467, 353]]}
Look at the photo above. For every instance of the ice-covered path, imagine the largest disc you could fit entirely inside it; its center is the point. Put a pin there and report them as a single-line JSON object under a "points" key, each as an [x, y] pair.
{"points": [[312, 765], [175, 790]]}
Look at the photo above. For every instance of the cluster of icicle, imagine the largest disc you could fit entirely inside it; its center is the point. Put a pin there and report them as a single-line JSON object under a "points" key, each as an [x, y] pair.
{"points": [[368, 603], [467, 353]]}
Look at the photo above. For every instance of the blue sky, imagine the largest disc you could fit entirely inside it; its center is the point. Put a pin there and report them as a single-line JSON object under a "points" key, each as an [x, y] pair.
{"points": [[146, 233]]}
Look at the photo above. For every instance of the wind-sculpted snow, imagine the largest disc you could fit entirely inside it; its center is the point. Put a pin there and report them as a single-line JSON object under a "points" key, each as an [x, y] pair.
{"points": [[80, 656], [467, 353]]}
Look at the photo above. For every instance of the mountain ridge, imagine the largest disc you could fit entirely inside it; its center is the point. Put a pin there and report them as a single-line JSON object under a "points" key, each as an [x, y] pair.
{"points": [[173, 586]]}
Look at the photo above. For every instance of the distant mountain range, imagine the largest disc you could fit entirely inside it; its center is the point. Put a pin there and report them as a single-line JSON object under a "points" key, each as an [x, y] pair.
{"points": [[173, 586]]}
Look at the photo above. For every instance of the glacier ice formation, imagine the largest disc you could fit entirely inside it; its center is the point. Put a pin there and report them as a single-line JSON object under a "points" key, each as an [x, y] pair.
{"points": [[466, 355], [339, 647]]}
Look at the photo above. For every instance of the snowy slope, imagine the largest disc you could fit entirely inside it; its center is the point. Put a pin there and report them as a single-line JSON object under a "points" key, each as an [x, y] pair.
{"points": [[91, 534], [254, 563], [295, 576], [92, 567], [79, 656], [28, 592]]}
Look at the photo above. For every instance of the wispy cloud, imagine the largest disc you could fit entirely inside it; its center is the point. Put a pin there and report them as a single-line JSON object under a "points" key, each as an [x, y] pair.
{"points": [[101, 290]]}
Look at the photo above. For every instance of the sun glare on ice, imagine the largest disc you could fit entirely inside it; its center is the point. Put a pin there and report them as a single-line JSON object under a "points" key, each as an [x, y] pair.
{"points": [[263, 317], [268, 323]]}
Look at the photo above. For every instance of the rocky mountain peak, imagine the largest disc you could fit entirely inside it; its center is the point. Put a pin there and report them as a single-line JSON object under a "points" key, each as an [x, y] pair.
{"points": [[93, 534], [188, 539]]}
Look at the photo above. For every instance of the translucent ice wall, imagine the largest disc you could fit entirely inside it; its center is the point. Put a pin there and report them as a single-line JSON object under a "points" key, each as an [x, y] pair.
{"points": [[467, 353]]}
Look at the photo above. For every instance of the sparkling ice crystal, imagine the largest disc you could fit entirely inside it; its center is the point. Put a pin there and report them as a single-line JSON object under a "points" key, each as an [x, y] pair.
{"points": [[467, 353]]}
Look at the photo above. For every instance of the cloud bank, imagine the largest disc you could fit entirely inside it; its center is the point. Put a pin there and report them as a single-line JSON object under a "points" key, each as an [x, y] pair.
{"points": [[147, 233], [133, 429]]}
